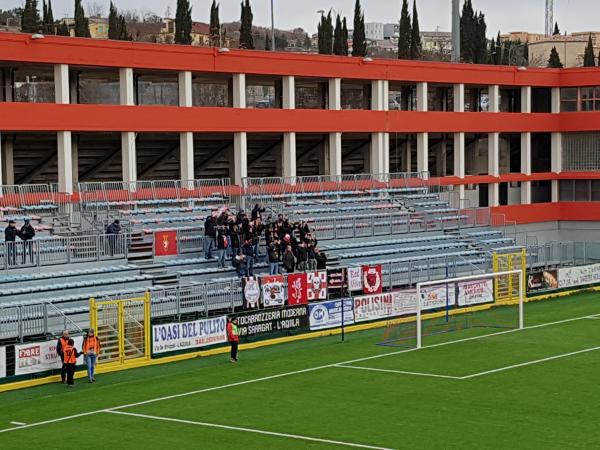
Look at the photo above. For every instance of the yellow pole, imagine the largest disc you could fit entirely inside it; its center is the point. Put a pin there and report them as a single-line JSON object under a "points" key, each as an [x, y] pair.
{"points": [[121, 331], [147, 325], [93, 314]]}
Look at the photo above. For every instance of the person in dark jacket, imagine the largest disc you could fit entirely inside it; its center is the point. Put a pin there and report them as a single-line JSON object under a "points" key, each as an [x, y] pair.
{"points": [[321, 258], [27, 234], [257, 211], [239, 262], [112, 231], [288, 260], [210, 235], [60, 344], [248, 252], [274, 257], [302, 256], [10, 235], [312, 257], [222, 243]]}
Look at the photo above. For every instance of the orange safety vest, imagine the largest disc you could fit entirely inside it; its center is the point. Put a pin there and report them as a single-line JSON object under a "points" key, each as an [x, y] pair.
{"points": [[92, 343], [64, 342], [70, 354]]}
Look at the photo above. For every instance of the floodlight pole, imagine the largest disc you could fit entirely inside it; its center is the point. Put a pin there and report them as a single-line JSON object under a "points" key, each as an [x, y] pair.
{"points": [[272, 28], [455, 31]]}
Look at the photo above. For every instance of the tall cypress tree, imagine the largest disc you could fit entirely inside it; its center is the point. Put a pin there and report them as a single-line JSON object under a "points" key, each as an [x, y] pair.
{"points": [[556, 29], [44, 16], [63, 29], [338, 37], [215, 25], [183, 23], [415, 34], [267, 42], [113, 22], [467, 32], [246, 38], [554, 60], [50, 27], [481, 54], [82, 26], [359, 40], [589, 59], [404, 34], [345, 36], [496, 48], [325, 30], [30, 17]]}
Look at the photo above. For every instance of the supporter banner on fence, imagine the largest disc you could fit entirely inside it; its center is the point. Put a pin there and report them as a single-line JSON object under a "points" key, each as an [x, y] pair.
{"points": [[355, 279], [273, 320], [172, 337], [475, 292], [273, 293], [297, 289], [251, 290], [41, 356], [373, 307], [542, 280], [372, 279], [328, 314], [578, 275], [165, 243], [316, 286], [336, 282], [432, 297], [2, 362]]}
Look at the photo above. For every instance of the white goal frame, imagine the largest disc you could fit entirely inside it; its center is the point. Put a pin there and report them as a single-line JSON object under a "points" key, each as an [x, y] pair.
{"points": [[480, 276]]}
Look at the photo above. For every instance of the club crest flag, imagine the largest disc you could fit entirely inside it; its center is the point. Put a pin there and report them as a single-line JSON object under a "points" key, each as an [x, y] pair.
{"points": [[372, 279], [165, 243], [297, 289], [251, 288], [273, 293], [316, 286]]}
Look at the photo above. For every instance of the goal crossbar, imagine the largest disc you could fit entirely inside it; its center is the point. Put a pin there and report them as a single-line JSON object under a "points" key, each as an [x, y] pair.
{"points": [[480, 276]]}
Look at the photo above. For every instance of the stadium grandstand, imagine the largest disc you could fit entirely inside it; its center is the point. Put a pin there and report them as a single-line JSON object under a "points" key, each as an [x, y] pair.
{"points": [[137, 164]]}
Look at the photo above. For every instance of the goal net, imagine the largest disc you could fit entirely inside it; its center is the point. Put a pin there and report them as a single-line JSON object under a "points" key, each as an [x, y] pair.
{"points": [[423, 315]]}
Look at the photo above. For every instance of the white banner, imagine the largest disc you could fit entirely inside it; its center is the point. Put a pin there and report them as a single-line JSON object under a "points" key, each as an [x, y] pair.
{"points": [[41, 356], [2, 362], [179, 336], [432, 297], [273, 290], [355, 279], [373, 307], [475, 292], [328, 314], [578, 275]]}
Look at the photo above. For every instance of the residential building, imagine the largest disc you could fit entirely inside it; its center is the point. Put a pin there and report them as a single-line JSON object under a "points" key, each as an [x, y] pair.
{"points": [[374, 31], [570, 49]]}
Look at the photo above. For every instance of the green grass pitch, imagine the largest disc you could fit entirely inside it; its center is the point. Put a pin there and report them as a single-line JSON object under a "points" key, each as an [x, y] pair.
{"points": [[532, 388]]}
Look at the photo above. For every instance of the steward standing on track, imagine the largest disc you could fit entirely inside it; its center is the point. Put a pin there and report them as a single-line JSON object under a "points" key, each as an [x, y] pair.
{"points": [[233, 338], [91, 349], [60, 345], [70, 360]]}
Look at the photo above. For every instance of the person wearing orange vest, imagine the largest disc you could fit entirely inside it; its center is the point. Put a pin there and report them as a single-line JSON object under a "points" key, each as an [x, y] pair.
{"points": [[91, 349], [233, 337], [70, 355], [60, 344]]}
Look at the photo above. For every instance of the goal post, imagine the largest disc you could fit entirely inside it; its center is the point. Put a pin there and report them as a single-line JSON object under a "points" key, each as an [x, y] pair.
{"points": [[468, 306]]}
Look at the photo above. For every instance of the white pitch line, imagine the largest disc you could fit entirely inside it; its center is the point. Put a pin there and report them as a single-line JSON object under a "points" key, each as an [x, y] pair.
{"points": [[593, 317], [250, 430], [420, 374], [529, 363], [18, 423], [285, 374]]}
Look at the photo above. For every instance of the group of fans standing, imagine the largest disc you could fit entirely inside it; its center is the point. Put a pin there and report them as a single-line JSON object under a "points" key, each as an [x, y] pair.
{"points": [[290, 247]]}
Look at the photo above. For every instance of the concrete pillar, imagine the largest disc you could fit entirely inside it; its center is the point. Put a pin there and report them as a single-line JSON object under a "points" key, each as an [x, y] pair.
{"points": [[334, 141], [75, 160], [556, 145], [494, 167], [65, 165], [61, 83], [459, 138], [128, 150], [6, 153], [408, 156], [186, 139], [494, 98], [422, 152], [378, 160], [288, 149], [422, 96], [64, 146], [459, 97], [8, 84], [526, 147], [288, 155], [240, 157], [239, 90]]}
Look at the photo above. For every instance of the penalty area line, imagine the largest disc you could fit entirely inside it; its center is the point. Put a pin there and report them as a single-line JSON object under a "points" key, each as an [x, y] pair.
{"points": [[249, 430], [403, 372]]}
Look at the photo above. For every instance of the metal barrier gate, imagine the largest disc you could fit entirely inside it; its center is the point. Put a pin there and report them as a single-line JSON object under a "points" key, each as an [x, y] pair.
{"points": [[123, 327], [506, 287]]}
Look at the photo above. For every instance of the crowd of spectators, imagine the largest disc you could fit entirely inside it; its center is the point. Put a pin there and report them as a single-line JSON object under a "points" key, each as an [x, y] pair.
{"points": [[289, 246]]}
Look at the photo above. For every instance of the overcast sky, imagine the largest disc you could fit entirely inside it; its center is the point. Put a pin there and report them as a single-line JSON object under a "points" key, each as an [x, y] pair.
{"points": [[504, 15]]}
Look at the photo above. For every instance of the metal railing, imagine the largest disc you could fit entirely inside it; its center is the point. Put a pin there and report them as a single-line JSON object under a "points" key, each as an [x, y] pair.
{"points": [[63, 250]]}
